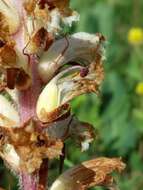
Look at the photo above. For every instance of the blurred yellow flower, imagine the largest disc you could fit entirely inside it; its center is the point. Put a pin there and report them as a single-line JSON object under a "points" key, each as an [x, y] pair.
{"points": [[139, 88], [135, 36]]}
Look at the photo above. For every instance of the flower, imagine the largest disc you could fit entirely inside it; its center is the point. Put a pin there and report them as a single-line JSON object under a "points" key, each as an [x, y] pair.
{"points": [[96, 172], [135, 36], [139, 88], [85, 51]]}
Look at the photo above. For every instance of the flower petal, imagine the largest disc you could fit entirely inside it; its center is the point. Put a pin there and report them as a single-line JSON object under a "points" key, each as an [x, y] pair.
{"points": [[11, 157], [80, 132], [16, 66], [10, 15], [80, 48], [31, 146], [96, 172], [9, 116], [68, 84]]}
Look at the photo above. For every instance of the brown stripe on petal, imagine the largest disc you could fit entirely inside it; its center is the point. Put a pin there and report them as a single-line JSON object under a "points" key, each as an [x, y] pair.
{"points": [[56, 114], [42, 40], [49, 41], [39, 37], [96, 172]]}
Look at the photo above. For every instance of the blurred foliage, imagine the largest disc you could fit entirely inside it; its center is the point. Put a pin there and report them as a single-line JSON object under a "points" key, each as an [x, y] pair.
{"points": [[117, 113]]}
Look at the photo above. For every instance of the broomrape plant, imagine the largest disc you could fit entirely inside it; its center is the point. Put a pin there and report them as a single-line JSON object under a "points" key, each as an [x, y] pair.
{"points": [[41, 70]]}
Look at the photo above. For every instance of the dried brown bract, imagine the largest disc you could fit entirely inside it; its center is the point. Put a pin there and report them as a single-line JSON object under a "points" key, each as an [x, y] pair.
{"points": [[30, 146]]}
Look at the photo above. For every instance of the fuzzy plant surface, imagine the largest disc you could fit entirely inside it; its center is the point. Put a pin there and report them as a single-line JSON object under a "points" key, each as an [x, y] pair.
{"points": [[41, 70]]}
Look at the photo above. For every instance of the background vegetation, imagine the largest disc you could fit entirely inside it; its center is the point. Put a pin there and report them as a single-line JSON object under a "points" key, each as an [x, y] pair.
{"points": [[117, 113]]}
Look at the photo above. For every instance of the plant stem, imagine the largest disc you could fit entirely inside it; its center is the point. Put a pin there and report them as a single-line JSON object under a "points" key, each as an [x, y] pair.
{"points": [[29, 181], [36, 181], [43, 175], [28, 98]]}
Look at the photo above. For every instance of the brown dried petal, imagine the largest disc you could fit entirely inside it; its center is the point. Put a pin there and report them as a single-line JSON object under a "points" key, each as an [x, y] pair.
{"points": [[31, 145], [23, 80], [4, 32], [96, 172], [8, 55], [9, 16], [62, 5], [17, 78], [55, 114], [11, 77], [29, 6], [42, 40], [81, 132]]}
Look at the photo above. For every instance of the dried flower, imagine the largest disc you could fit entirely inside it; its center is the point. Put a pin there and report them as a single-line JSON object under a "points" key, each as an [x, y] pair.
{"points": [[96, 172]]}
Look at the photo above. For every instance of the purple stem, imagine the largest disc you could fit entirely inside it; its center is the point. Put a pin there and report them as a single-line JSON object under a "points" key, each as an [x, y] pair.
{"points": [[28, 98], [29, 182], [27, 109]]}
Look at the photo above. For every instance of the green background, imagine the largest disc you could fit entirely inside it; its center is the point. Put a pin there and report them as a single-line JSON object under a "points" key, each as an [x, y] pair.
{"points": [[117, 114]]}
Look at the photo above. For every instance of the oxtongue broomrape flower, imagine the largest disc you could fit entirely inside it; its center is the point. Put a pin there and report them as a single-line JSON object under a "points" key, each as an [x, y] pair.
{"points": [[40, 72]]}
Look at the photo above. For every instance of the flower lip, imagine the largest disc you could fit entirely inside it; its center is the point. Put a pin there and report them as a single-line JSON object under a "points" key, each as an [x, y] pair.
{"points": [[66, 85], [50, 107], [96, 172]]}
